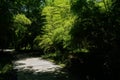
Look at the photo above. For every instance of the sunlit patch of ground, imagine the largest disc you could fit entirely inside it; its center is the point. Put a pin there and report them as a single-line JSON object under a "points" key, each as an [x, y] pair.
{"points": [[38, 69], [7, 50], [35, 64]]}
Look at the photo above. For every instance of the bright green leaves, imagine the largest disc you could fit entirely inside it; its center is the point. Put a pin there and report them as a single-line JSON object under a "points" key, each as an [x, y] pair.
{"points": [[20, 24], [22, 19], [20, 28], [59, 20], [62, 3]]}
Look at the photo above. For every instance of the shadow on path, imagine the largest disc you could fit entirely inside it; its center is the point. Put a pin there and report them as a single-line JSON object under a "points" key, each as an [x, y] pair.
{"points": [[30, 75], [36, 68]]}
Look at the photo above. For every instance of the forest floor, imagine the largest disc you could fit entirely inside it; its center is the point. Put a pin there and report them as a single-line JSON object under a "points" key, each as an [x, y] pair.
{"points": [[36, 68]]}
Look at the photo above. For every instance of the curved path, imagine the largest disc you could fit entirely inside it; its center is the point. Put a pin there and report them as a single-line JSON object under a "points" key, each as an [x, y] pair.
{"points": [[35, 64], [36, 68]]}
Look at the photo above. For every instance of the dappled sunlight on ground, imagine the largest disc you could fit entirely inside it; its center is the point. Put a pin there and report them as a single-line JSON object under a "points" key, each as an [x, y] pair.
{"points": [[35, 64], [36, 68]]}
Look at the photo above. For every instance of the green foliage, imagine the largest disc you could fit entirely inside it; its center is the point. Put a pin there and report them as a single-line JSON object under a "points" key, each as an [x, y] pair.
{"points": [[22, 19], [33, 10], [94, 28], [15, 15], [6, 69], [58, 24], [20, 27], [20, 22]]}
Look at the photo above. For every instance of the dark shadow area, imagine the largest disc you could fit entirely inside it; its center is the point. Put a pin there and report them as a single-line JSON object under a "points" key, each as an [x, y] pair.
{"points": [[94, 66], [20, 54], [29, 75], [6, 66]]}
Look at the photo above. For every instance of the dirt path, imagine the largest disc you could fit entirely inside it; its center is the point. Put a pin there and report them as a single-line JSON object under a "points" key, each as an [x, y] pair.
{"points": [[36, 68]]}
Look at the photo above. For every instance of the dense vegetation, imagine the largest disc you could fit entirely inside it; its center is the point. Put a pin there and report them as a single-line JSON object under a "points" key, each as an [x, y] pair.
{"points": [[83, 34]]}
